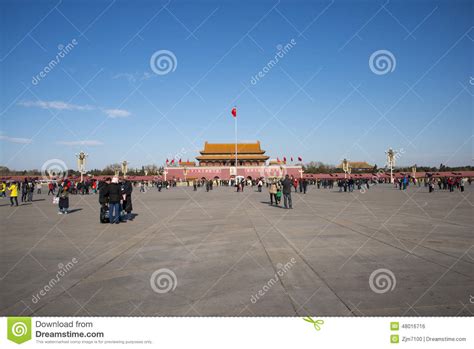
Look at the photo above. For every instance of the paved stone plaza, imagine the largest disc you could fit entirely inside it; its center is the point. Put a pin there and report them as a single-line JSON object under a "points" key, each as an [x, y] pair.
{"points": [[225, 248]]}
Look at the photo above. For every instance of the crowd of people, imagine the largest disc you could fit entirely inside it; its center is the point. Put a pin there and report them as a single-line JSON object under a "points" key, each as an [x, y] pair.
{"points": [[115, 196], [448, 183], [26, 188]]}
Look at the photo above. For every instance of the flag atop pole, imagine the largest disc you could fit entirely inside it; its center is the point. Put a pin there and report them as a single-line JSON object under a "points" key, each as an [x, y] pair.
{"points": [[234, 115]]}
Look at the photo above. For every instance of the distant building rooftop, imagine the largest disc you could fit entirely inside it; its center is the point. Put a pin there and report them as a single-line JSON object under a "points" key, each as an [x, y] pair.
{"points": [[358, 165]]}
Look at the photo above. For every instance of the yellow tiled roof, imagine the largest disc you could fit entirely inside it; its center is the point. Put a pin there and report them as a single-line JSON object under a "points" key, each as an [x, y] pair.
{"points": [[232, 157], [229, 148], [357, 164], [187, 163]]}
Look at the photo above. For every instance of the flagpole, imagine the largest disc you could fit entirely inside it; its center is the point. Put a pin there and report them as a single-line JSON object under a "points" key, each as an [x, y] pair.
{"points": [[235, 129]]}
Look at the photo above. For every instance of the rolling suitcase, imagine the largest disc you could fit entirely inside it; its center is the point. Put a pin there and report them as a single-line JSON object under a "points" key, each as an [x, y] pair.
{"points": [[104, 214]]}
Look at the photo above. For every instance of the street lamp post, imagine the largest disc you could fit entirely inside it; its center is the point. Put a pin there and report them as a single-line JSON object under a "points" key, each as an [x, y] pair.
{"points": [[124, 168], [346, 167], [391, 161], [81, 163]]}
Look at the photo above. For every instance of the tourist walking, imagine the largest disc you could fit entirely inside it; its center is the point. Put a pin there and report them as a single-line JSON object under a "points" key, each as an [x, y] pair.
{"points": [[287, 184], [31, 190], [13, 189], [127, 199], [114, 193], [50, 188], [272, 190], [24, 190], [431, 185], [451, 184], [260, 185], [351, 185], [462, 183], [63, 195], [3, 189], [104, 200]]}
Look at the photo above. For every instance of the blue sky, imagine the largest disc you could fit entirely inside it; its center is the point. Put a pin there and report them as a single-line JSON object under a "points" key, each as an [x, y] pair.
{"points": [[321, 100]]}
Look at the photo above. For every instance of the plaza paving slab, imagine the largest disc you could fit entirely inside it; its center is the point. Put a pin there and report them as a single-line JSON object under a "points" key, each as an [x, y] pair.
{"points": [[232, 254]]}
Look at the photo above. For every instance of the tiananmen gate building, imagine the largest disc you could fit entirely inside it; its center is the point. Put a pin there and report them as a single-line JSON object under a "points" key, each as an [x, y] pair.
{"points": [[217, 160], [223, 154]]}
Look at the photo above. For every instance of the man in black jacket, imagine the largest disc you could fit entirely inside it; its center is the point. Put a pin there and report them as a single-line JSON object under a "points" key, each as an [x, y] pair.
{"points": [[104, 200], [287, 184], [127, 199], [114, 193], [102, 187]]}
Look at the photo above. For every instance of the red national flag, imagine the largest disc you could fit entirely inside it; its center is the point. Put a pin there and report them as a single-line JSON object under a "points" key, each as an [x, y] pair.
{"points": [[284, 158], [234, 112], [172, 161], [167, 161], [179, 160], [292, 158], [299, 158]]}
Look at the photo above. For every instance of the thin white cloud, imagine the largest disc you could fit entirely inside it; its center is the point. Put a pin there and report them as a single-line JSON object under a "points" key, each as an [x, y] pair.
{"points": [[60, 105], [127, 76], [57, 105], [117, 113], [87, 142], [133, 77], [16, 139]]}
